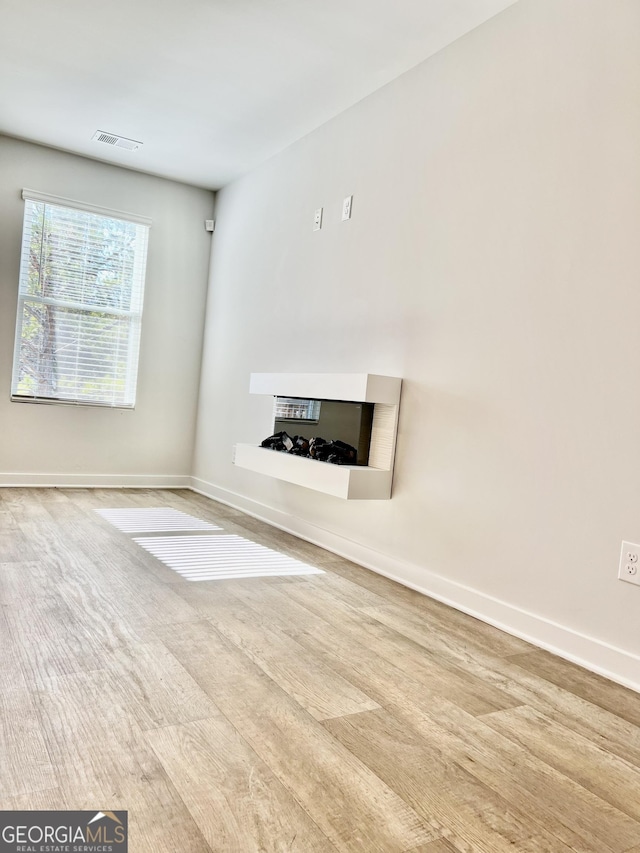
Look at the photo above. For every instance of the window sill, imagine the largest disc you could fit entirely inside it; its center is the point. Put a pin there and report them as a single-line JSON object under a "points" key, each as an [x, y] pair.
{"points": [[49, 401]]}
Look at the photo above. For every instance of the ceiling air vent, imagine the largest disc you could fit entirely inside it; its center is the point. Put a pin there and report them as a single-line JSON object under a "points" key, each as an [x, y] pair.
{"points": [[116, 141]]}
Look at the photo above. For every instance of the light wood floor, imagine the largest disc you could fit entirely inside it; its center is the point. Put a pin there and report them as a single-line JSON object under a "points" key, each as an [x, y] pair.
{"points": [[309, 714]]}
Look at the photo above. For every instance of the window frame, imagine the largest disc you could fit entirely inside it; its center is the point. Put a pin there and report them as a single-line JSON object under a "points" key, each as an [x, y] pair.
{"points": [[134, 315]]}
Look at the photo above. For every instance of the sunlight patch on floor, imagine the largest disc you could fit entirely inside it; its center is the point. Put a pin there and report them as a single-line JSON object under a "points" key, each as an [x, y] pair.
{"points": [[153, 520], [199, 555], [221, 557]]}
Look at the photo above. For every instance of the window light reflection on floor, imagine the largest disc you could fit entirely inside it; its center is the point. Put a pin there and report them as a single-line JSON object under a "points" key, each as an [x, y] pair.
{"points": [[199, 555], [221, 557], [153, 520]]}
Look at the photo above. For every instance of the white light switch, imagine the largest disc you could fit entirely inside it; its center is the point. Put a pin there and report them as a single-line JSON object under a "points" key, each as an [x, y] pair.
{"points": [[317, 220], [346, 208]]}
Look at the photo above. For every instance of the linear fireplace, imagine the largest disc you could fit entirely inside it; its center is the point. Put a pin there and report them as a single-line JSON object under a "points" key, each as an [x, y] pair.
{"points": [[360, 411]]}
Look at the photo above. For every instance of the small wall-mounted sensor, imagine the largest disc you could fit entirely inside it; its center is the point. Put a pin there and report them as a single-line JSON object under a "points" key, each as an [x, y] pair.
{"points": [[346, 207], [317, 219], [210, 224]]}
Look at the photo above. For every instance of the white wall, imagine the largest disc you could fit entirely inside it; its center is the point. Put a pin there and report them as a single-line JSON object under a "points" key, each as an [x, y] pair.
{"points": [[493, 261], [154, 443]]}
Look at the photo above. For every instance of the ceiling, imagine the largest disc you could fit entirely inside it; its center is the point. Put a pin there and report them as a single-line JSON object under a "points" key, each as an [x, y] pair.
{"points": [[211, 87]]}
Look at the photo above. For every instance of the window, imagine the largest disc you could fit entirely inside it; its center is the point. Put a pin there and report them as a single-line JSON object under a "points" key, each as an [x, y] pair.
{"points": [[80, 303], [296, 409]]}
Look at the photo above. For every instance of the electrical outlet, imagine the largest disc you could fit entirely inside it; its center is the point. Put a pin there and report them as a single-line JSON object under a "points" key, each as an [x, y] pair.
{"points": [[346, 208], [317, 220], [629, 568]]}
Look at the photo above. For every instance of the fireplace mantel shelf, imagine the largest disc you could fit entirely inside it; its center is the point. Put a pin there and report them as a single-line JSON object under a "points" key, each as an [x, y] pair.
{"points": [[351, 482]]}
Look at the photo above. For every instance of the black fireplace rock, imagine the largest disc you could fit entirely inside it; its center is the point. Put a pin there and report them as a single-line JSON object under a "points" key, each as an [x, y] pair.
{"points": [[337, 452], [280, 441]]}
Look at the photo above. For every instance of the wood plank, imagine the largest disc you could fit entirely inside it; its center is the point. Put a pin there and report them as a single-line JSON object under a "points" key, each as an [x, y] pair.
{"points": [[123, 544], [346, 800], [208, 509], [467, 811], [93, 534], [344, 591], [15, 547], [26, 765], [599, 726], [154, 688], [206, 598], [437, 632], [7, 521], [377, 649], [49, 641], [594, 688], [379, 680], [401, 649], [526, 688], [26, 580], [102, 760], [564, 808], [24, 505], [426, 608], [11, 675], [605, 775], [111, 571], [96, 602], [441, 845], [236, 801], [315, 686], [59, 505], [50, 800]]}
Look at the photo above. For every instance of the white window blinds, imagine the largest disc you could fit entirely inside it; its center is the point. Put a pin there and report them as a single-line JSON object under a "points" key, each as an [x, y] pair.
{"points": [[80, 305]]}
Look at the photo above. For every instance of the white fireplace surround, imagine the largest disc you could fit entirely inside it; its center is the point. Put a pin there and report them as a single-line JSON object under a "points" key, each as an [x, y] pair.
{"points": [[351, 482]]}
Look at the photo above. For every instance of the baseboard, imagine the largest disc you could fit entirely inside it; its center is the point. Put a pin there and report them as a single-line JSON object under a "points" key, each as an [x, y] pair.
{"points": [[96, 481], [613, 663]]}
